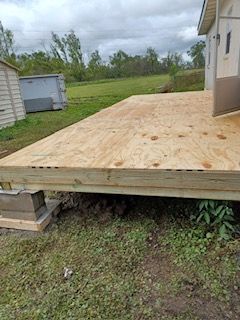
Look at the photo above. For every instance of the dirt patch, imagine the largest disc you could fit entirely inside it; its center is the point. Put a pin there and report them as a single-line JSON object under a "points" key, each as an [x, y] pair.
{"points": [[103, 207], [172, 292]]}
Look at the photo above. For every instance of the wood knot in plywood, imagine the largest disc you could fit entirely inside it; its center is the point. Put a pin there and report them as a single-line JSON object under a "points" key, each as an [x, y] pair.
{"points": [[156, 165], [118, 163], [78, 181], [221, 137], [206, 165]]}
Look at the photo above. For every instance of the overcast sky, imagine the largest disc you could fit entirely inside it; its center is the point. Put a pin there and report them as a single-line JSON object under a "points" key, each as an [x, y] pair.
{"points": [[106, 25]]}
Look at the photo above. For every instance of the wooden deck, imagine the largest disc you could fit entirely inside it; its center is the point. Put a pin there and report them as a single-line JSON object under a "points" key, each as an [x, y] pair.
{"points": [[162, 145]]}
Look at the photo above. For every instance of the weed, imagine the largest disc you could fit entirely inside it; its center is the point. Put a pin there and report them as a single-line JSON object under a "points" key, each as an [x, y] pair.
{"points": [[217, 215]]}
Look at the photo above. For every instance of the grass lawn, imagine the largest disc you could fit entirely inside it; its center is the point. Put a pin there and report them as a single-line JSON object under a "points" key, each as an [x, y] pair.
{"points": [[84, 100], [146, 264]]}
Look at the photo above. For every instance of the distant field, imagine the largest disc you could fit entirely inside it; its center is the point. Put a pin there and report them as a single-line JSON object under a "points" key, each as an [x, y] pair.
{"points": [[119, 88], [84, 100]]}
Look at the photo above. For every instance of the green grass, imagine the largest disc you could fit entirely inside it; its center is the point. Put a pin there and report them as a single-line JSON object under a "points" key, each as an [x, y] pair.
{"points": [[103, 260], [136, 267], [205, 261], [119, 88], [189, 80], [84, 100]]}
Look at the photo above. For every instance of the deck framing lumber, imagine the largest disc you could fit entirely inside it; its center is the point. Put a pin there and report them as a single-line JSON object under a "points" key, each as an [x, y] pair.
{"points": [[156, 145], [139, 191], [186, 184]]}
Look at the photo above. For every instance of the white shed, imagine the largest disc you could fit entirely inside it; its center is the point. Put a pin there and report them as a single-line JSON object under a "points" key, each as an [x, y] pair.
{"points": [[11, 104]]}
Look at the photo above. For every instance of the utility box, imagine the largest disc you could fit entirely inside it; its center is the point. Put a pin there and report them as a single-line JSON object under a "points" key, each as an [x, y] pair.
{"points": [[43, 92]]}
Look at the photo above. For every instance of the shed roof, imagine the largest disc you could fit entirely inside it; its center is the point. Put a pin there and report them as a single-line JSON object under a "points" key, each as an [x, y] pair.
{"points": [[208, 16], [9, 65]]}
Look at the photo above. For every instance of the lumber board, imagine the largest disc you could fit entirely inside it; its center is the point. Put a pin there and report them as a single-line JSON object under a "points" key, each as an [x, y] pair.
{"points": [[53, 208], [123, 177], [163, 144], [139, 191]]}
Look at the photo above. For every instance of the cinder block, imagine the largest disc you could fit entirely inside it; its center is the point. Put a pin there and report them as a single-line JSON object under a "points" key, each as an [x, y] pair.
{"points": [[23, 201]]}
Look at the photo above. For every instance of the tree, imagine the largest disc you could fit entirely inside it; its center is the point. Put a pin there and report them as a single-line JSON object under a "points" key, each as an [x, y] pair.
{"points": [[68, 49], [96, 69], [6, 44], [39, 62], [95, 60], [118, 61], [172, 59], [197, 53], [58, 47], [73, 45], [152, 60]]}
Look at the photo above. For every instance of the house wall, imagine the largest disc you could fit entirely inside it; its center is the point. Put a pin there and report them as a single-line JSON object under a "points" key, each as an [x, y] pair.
{"points": [[210, 58], [11, 105], [228, 64]]}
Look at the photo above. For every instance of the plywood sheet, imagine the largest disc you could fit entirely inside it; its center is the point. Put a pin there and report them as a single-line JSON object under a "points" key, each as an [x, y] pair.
{"points": [[150, 141], [171, 131]]}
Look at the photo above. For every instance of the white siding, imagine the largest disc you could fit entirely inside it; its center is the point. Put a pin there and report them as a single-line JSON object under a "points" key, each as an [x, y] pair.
{"points": [[228, 64], [11, 105], [210, 58]]}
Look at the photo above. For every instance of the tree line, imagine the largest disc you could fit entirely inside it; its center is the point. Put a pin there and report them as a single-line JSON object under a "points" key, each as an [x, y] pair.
{"points": [[65, 56]]}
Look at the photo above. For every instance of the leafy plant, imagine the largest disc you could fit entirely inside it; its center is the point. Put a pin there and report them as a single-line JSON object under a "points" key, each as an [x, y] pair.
{"points": [[174, 69], [217, 215]]}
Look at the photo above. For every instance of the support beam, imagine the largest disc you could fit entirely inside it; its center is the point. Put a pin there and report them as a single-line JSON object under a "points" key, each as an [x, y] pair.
{"points": [[26, 210]]}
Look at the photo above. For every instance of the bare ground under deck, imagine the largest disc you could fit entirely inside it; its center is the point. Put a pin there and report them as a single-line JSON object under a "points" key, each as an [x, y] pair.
{"points": [[163, 145]]}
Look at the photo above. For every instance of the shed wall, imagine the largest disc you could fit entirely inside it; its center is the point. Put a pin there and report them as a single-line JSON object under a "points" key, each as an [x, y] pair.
{"points": [[11, 105]]}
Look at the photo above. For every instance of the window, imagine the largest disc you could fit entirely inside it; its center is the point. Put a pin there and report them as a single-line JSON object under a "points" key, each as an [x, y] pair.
{"points": [[228, 44]]}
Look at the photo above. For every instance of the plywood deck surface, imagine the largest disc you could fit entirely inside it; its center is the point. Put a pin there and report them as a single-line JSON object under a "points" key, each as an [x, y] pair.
{"points": [[162, 142]]}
